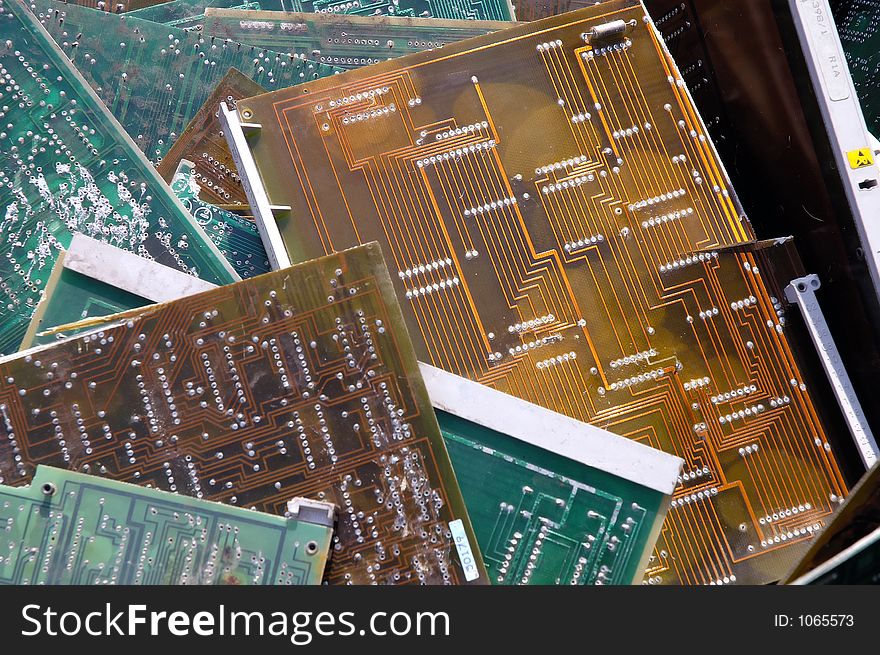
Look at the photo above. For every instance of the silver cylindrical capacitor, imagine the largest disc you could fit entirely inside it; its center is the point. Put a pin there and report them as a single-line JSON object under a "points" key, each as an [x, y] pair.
{"points": [[608, 32]]}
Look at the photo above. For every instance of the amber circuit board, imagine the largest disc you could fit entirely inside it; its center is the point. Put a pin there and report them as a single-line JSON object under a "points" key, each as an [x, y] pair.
{"points": [[345, 41], [203, 144], [299, 382], [72, 528], [563, 230]]}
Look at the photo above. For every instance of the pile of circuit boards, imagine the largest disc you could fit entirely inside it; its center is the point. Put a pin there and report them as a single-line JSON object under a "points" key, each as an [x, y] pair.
{"points": [[388, 292]]}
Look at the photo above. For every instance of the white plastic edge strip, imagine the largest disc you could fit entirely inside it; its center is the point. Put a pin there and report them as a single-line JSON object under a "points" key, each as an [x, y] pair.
{"points": [[129, 272], [551, 431]]}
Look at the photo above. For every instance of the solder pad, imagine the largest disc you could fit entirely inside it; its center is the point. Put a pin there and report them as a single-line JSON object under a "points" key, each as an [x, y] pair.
{"points": [[72, 528], [558, 229], [66, 165], [346, 41], [300, 382], [155, 77]]}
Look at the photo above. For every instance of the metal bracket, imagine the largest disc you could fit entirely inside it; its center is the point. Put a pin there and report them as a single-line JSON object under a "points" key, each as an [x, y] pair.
{"points": [[264, 211], [311, 511], [802, 292]]}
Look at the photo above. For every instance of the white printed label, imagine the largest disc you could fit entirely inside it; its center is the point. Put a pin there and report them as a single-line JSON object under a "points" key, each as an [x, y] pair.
{"points": [[465, 554], [827, 53]]}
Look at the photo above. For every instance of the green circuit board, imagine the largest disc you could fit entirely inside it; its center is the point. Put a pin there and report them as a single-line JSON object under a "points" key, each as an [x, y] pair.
{"points": [[153, 77], [346, 41], [858, 23], [67, 166], [70, 297], [456, 9], [73, 528], [544, 519], [188, 13], [236, 237]]}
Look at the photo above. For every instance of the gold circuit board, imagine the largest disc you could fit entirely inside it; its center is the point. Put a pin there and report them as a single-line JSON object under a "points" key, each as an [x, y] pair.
{"points": [[563, 230], [300, 382]]}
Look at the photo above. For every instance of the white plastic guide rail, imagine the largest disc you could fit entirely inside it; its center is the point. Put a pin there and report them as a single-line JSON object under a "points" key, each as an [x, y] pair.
{"points": [[844, 122], [802, 292]]}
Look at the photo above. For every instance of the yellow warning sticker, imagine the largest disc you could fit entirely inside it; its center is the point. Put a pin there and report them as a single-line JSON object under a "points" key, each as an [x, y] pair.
{"points": [[860, 158]]}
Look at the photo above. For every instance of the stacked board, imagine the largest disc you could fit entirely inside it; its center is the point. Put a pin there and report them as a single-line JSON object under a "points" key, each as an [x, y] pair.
{"points": [[85, 283], [154, 77], [858, 564], [553, 500], [537, 9], [203, 144], [556, 501], [189, 13], [67, 166], [92, 280], [849, 540], [563, 231], [454, 9], [71, 528], [349, 40], [235, 236], [300, 382], [345, 41]]}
